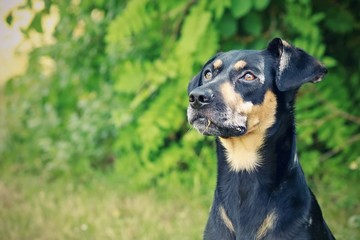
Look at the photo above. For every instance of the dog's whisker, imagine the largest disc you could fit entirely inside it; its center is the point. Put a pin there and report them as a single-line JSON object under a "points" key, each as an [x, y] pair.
{"points": [[189, 129]]}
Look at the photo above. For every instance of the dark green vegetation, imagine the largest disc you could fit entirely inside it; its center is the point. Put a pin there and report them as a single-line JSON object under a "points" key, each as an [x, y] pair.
{"points": [[108, 101]]}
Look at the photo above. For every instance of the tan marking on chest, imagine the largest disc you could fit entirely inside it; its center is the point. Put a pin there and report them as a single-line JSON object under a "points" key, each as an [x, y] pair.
{"points": [[240, 65], [217, 64], [267, 225], [243, 152], [226, 219]]}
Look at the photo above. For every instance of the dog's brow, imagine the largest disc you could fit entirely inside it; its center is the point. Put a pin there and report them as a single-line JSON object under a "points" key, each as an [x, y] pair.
{"points": [[217, 64], [240, 65]]}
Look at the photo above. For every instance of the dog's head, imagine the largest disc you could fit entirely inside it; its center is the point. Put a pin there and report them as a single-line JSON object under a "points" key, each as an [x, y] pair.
{"points": [[235, 93]]}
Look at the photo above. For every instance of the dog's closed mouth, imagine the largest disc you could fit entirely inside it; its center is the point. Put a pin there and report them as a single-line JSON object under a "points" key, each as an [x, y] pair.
{"points": [[208, 127], [203, 125]]}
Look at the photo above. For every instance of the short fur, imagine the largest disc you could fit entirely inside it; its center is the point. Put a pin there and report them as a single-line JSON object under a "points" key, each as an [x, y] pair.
{"points": [[261, 191]]}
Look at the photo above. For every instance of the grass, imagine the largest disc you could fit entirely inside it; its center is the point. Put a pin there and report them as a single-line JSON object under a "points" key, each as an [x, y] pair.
{"points": [[32, 208], [104, 207]]}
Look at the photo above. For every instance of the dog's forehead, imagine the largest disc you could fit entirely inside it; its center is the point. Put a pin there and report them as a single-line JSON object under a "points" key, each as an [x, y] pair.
{"points": [[242, 57]]}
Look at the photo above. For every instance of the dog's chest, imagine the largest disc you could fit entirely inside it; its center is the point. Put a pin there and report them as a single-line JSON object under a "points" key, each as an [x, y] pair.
{"points": [[255, 213], [247, 207]]}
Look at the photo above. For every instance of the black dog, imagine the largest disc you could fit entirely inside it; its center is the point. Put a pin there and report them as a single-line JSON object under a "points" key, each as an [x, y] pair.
{"points": [[246, 99]]}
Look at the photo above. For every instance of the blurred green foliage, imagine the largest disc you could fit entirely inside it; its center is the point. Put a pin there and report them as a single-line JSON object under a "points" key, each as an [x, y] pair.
{"points": [[110, 94]]}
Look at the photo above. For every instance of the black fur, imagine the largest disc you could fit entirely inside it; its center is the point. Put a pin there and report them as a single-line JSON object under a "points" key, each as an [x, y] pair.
{"points": [[278, 184]]}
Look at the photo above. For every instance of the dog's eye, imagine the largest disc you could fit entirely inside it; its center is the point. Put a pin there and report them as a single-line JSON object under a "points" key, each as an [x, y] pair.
{"points": [[249, 76], [208, 75]]}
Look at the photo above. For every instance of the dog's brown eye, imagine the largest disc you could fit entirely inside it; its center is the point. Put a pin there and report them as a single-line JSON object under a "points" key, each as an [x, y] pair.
{"points": [[208, 75], [249, 77]]}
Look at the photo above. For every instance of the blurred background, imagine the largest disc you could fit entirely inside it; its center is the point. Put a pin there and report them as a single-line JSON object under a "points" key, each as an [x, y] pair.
{"points": [[94, 140]]}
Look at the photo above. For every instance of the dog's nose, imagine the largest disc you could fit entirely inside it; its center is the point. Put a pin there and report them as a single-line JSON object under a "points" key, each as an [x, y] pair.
{"points": [[199, 98]]}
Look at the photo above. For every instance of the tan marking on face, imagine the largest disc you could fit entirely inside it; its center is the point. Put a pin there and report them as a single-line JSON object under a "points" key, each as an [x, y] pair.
{"points": [[226, 219], [242, 152], [234, 100], [267, 225], [240, 65], [262, 116], [217, 64]]}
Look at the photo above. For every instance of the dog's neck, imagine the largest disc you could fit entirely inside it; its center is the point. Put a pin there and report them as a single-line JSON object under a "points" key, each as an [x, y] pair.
{"points": [[279, 153], [276, 157]]}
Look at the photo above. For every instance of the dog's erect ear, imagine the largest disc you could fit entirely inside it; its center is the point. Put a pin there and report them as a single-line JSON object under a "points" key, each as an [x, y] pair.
{"points": [[194, 83], [294, 66]]}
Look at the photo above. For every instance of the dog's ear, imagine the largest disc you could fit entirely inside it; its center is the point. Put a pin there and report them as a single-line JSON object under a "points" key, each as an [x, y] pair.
{"points": [[194, 83], [294, 66]]}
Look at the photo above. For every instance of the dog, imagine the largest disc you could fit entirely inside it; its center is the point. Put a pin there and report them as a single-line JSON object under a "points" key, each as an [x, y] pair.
{"points": [[246, 99]]}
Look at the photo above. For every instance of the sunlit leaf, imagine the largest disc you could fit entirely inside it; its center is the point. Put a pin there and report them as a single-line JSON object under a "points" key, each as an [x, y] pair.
{"points": [[261, 4], [36, 23], [329, 61], [240, 8]]}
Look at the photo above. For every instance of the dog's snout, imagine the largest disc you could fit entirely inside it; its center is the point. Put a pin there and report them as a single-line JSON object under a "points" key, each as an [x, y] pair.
{"points": [[199, 98]]}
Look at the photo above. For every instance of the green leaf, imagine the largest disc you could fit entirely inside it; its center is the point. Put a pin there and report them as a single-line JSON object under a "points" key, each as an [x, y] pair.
{"points": [[240, 8], [47, 6], [252, 24], [219, 7], [9, 18], [318, 17], [135, 18], [341, 21], [131, 75], [329, 61], [261, 4], [195, 26], [29, 3], [36, 23], [208, 44], [227, 26]]}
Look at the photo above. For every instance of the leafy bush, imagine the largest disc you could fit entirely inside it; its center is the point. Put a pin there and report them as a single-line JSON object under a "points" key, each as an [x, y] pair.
{"points": [[57, 115], [115, 97]]}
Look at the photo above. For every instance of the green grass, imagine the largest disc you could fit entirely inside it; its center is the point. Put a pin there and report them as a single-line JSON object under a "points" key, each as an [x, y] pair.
{"points": [[32, 208], [104, 207]]}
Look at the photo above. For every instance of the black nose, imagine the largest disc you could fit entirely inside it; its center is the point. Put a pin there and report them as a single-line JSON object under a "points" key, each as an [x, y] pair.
{"points": [[199, 98]]}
